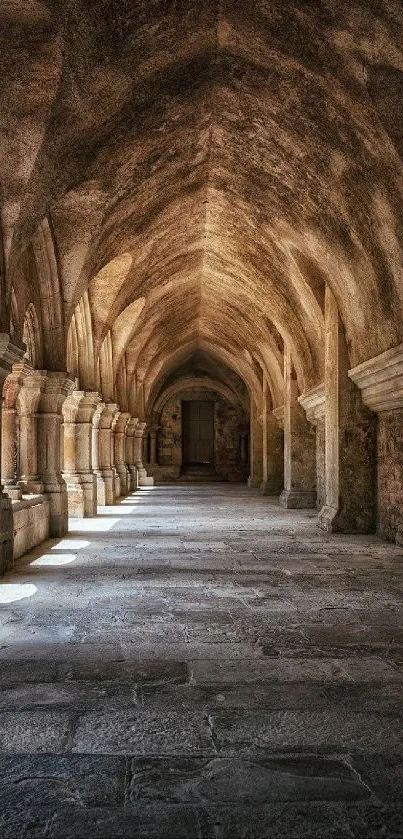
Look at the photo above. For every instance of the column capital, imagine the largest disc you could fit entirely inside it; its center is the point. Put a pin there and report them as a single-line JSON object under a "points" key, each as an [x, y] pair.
{"points": [[80, 406], [313, 403], [98, 413], [131, 426], [29, 394], [54, 390], [140, 428], [121, 422], [380, 380], [108, 414]]}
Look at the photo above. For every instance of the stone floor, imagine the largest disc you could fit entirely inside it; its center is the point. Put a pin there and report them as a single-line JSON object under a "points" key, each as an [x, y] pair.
{"points": [[197, 662]]}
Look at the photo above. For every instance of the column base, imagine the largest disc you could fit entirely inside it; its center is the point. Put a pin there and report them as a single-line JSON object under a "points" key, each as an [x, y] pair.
{"points": [[124, 476], [105, 487], [327, 518], [56, 491], [143, 479], [298, 499], [6, 534], [116, 484], [14, 492], [31, 487], [82, 495], [133, 478], [254, 482]]}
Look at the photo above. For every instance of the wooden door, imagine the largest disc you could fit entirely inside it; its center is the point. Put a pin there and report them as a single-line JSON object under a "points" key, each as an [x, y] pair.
{"points": [[198, 432]]}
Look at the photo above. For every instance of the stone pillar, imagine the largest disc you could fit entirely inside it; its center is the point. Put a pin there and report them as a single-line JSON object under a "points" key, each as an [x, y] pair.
{"points": [[153, 445], [95, 450], [243, 447], [105, 475], [256, 448], [78, 412], [350, 439], [313, 403], [27, 407], [116, 476], [299, 447], [380, 381], [54, 391], [273, 453], [9, 354], [130, 452], [143, 479], [10, 435], [120, 453]]}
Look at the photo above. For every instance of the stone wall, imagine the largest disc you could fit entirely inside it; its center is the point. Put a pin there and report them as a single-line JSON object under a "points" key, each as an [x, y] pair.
{"points": [[229, 423], [390, 475], [31, 523], [320, 463]]}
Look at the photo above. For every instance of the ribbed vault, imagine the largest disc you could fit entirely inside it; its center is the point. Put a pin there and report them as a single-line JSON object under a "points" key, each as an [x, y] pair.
{"points": [[219, 162]]}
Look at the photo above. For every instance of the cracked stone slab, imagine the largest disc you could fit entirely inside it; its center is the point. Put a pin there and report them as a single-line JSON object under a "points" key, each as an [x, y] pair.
{"points": [[285, 778], [87, 780]]}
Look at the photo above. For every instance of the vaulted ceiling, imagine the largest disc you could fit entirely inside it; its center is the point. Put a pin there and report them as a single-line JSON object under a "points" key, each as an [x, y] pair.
{"points": [[206, 168]]}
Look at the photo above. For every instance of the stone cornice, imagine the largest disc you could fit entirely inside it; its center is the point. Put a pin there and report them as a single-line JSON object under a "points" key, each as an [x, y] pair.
{"points": [[313, 403], [380, 380]]}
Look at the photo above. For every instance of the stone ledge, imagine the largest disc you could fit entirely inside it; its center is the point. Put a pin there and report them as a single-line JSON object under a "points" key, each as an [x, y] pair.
{"points": [[380, 380], [313, 403], [28, 501]]}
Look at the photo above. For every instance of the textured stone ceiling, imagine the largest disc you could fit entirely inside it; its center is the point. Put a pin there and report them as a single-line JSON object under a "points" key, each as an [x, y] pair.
{"points": [[218, 162]]}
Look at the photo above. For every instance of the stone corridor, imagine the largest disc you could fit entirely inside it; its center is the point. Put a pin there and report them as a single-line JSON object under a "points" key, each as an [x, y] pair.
{"points": [[198, 662]]}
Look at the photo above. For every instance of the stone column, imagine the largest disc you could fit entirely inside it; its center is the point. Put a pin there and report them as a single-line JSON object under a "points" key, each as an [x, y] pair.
{"points": [[299, 447], [350, 439], [153, 445], [256, 448], [380, 381], [78, 412], [116, 476], [313, 403], [243, 447], [54, 391], [10, 436], [9, 354], [27, 407], [273, 448], [105, 476], [120, 453], [143, 479], [130, 452], [95, 450]]}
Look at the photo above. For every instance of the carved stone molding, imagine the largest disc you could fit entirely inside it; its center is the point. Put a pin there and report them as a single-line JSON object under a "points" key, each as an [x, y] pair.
{"points": [[313, 403], [380, 380]]}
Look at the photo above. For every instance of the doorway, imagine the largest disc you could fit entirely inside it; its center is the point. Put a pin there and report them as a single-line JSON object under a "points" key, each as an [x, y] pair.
{"points": [[197, 433]]}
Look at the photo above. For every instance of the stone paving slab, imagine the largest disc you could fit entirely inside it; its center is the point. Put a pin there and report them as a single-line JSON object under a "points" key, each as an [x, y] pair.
{"points": [[54, 780], [34, 731], [260, 780], [143, 732], [238, 675], [294, 670], [246, 732]]}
